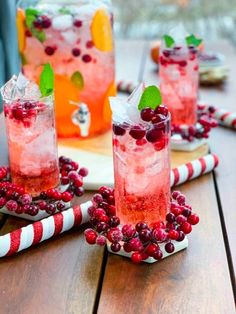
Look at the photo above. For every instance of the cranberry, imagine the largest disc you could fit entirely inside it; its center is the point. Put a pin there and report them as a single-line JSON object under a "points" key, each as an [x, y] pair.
{"points": [[75, 52], [183, 63], [173, 234], [74, 165], [151, 249], [45, 22], [136, 245], [78, 182], [147, 114], [115, 247], [97, 198], [56, 195], [104, 218], [158, 255], [169, 247], [73, 175], [111, 210], [153, 135], [90, 236], [11, 205], [2, 201], [102, 226], [159, 234], [67, 167], [141, 225], [159, 145], [175, 194], [126, 247], [137, 133], [61, 206], [186, 212], [128, 231], [159, 118], [64, 180], [89, 44], [163, 61], [79, 191], [114, 221], [86, 58], [118, 130], [66, 196], [193, 219], [25, 199], [170, 217], [33, 210], [19, 210], [28, 33], [180, 199], [18, 113], [114, 235], [83, 172], [78, 23], [91, 210], [43, 195], [136, 257], [42, 205], [38, 23], [50, 208], [145, 235], [162, 110], [186, 228], [181, 219], [101, 240], [158, 224], [49, 50], [181, 236], [141, 142]]}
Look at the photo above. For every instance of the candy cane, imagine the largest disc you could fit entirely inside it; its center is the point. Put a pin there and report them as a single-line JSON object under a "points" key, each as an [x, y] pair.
{"points": [[193, 169], [44, 229]]}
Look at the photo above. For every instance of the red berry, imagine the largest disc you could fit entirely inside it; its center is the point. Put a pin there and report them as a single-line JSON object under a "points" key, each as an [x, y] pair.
{"points": [[115, 247], [66, 196], [127, 248], [90, 236], [158, 224], [186, 212], [98, 212], [57, 195], [65, 180], [141, 142], [175, 194], [136, 257], [97, 198], [89, 44], [173, 234], [128, 231], [73, 175], [147, 114], [86, 58], [78, 182], [45, 21], [11, 205], [141, 225], [111, 210], [114, 235], [158, 118], [181, 219], [169, 247], [162, 110], [114, 221], [83, 172], [153, 135], [74, 165], [137, 132], [50, 209], [181, 236], [159, 234], [183, 63], [25, 199], [75, 52], [49, 50], [193, 219], [102, 226], [136, 245], [180, 199], [145, 235], [186, 228], [101, 240], [78, 23], [157, 255], [170, 217], [118, 130], [79, 191], [61, 206], [151, 249], [33, 210], [2, 201]]}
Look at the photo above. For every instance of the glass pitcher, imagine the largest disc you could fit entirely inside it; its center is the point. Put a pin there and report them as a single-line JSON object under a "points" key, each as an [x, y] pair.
{"points": [[75, 37]]}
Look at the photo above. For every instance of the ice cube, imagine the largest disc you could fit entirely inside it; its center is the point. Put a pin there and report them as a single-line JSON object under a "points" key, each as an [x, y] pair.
{"points": [[62, 22], [69, 36], [118, 108], [179, 33]]}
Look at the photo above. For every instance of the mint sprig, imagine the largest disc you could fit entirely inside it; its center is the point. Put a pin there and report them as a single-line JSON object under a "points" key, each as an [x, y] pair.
{"points": [[151, 98], [46, 84], [192, 40], [64, 10], [30, 16], [169, 41]]}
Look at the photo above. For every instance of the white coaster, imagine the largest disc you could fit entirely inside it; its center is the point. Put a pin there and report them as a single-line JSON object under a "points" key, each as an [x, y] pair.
{"points": [[178, 144], [178, 247]]}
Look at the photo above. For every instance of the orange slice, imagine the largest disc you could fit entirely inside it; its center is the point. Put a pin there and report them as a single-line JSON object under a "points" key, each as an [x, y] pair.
{"points": [[101, 31], [111, 91], [20, 23]]}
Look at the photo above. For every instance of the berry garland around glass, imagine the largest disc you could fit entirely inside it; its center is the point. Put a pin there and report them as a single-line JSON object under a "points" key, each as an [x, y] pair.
{"points": [[15, 201], [140, 242]]}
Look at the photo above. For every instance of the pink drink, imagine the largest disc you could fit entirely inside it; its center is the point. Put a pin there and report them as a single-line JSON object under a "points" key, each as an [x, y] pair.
{"points": [[32, 144], [179, 83], [142, 173]]}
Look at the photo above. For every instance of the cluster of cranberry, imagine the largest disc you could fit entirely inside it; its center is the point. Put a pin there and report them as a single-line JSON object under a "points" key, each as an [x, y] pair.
{"points": [[141, 241], [43, 22], [23, 111], [14, 197], [168, 56], [204, 125], [156, 132]]}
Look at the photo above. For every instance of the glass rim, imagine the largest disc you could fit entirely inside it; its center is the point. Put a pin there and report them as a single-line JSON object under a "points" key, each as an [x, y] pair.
{"points": [[44, 98]]}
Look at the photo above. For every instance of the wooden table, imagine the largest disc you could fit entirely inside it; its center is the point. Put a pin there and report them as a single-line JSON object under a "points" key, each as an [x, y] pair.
{"points": [[65, 275]]}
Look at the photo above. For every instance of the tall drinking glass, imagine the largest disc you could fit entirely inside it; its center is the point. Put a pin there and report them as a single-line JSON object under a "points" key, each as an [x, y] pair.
{"points": [[179, 83], [142, 171], [32, 143]]}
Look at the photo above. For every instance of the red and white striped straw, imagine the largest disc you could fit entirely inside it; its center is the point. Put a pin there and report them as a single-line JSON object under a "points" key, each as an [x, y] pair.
{"points": [[193, 169], [49, 227]]}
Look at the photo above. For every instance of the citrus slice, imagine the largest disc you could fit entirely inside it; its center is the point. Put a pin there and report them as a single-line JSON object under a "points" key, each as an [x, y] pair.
{"points": [[101, 31], [20, 23], [111, 91]]}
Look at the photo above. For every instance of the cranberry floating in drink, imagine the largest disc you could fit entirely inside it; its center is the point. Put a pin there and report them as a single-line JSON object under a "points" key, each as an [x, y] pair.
{"points": [[141, 134], [75, 37], [179, 76], [31, 135]]}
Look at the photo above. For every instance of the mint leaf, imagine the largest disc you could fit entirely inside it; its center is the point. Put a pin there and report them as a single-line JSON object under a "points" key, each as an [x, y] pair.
{"points": [[30, 16], [191, 40], [169, 41], [64, 10], [46, 84], [40, 35], [23, 59], [151, 98], [77, 79]]}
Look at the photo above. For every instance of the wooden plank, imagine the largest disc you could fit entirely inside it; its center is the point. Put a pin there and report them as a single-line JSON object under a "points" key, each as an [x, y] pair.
{"points": [[196, 279], [61, 275]]}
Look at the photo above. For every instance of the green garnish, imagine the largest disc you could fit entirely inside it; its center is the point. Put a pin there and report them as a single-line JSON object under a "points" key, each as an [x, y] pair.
{"points": [[46, 84], [78, 80], [151, 98], [169, 41], [30, 16], [23, 59], [64, 10], [191, 40]]}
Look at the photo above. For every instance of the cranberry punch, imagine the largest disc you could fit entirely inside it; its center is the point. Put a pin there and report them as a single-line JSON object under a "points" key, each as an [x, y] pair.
{"points": [[31, 135], [179, 77], [141, 134]]}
